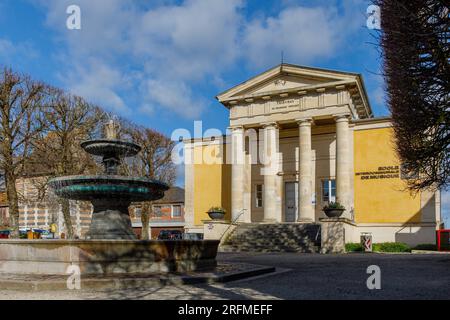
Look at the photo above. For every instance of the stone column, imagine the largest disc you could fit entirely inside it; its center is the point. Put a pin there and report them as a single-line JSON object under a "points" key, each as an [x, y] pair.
{"points": [[343, 190], [189, 216], [237, 171], [246, 216], [272, 180], [305, 207]]}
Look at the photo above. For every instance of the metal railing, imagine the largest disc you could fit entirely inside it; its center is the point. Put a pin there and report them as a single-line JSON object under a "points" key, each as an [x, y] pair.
{"points": [[232, 223], [317, 233]]}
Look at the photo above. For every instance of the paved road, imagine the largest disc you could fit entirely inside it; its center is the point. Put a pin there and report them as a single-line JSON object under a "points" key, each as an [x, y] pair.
{"points": [[300, 276], [403, 276]]}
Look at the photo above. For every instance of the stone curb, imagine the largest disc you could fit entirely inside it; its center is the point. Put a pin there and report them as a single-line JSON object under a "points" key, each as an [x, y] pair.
{"points": [[429, 252], [131, 283], [242, 275], [402, 253]]}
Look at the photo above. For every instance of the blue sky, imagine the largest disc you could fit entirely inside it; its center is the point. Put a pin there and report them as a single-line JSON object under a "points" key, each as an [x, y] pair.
{"points": [[161, 63]]}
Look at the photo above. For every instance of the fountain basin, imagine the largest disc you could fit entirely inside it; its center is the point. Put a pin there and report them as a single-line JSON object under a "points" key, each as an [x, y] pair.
{"points": [[110, 196], [103, 257], [87, 188], [102, 147]]}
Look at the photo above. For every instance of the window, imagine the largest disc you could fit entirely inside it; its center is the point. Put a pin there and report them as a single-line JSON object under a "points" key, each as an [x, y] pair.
{"points": [[157, 211], [176, 211], [259, 196], [328, 190], [137, 212]]}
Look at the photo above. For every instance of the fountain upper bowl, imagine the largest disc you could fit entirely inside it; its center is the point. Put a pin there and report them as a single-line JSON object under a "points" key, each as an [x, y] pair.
{"points": [[93, 187], [102, 147]]}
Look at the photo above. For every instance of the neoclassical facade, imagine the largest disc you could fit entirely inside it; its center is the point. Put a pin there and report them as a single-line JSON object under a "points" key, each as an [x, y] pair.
{"points": [[299, 138]]}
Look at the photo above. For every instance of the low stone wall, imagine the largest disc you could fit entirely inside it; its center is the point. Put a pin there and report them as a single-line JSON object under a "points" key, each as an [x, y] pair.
{"points": [[334, 234], [412, 233], [217, 230], [106, 256]]}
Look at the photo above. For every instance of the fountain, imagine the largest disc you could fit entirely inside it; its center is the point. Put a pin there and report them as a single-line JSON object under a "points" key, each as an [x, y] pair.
{"points": [[110, 194], [110, 246]]}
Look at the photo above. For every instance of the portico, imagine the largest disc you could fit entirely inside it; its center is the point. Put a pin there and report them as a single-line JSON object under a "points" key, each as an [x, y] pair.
{"points": [[275, 119]]}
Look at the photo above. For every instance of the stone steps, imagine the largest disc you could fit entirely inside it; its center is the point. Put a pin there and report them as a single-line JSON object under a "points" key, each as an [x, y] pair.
{"points": [[273, 238]]}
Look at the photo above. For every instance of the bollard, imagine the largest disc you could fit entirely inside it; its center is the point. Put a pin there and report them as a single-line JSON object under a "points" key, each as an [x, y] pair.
{"points": [[366, 241]]}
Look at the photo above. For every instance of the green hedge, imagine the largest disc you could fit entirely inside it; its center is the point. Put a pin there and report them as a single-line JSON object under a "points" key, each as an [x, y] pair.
{"points": [[391, 247], [379, 247], [353, 247]]}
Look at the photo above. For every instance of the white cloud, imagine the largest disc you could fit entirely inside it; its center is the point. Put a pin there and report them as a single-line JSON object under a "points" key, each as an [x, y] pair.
{"points": [[10, 51], [99, 83], [190, 40], [175, 44], [104, 25], [173, 97], [304, 34], [173, 47]]}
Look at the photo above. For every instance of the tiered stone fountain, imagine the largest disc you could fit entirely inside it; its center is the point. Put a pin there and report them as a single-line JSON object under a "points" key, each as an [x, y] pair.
{"points": [[110, 246], [110, 194]]}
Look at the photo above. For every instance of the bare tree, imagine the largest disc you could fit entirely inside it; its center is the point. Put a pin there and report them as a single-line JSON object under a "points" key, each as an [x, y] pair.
{"points": [[154, 161], [415, 44], [21, 104], [70, 120]]}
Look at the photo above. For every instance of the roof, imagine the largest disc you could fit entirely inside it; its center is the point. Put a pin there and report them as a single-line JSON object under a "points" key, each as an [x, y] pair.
{"points": [[280, 67], [325, 78], [173, 195]]}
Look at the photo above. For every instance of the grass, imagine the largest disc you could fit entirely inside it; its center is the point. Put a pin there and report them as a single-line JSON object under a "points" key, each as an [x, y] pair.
{"points": [[379, 247]]}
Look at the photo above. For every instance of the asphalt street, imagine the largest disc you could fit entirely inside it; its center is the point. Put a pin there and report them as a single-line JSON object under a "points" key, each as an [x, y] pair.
{"points": [[299, 276]]}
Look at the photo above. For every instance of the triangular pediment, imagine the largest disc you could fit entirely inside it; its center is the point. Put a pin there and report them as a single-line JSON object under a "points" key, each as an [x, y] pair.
{"points": [[281, 82], [285, 77]]}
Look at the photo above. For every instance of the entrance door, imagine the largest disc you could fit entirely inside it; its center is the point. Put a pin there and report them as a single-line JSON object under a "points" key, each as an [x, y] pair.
{"points": [[291, 201]]}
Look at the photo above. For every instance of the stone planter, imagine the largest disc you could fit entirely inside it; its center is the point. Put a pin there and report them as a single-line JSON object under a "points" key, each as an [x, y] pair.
{"points": [[216, 215], [333, 213]]}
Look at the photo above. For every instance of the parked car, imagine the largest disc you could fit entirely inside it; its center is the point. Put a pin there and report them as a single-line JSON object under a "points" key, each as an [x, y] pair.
{"points": [[170, 235], [193, 236], [4, 234], [46, 234], [23, 234]]}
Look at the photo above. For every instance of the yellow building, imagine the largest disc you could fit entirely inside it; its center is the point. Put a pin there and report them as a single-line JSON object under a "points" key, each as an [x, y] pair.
{"points": [[300, 138]]}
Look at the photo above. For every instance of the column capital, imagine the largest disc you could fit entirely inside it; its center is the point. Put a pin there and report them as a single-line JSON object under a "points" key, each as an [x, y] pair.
{"points": [[341, 117], [236, 128], [270, 124], [304, 121]]}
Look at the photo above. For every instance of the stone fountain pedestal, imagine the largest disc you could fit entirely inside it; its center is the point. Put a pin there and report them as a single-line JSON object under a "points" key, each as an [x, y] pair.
{"points": [[110, 220]]}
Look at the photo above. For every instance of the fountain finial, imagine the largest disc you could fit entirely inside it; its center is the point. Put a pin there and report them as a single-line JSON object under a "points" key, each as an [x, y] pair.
{"points": [[112, 128]]}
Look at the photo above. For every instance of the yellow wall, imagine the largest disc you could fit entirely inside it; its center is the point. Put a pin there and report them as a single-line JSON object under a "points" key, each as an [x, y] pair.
{"points": [[380, 200], [212, 183]]}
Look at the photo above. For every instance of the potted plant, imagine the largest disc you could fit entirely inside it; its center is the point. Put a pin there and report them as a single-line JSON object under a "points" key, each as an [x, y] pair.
{"points": [[216, 213], [333, 209]]}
